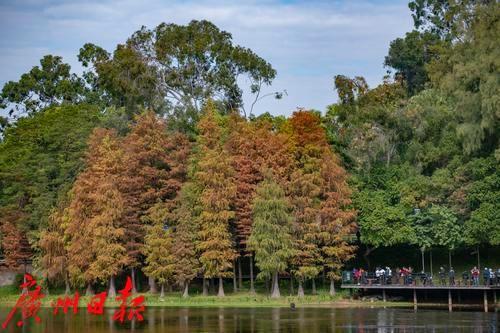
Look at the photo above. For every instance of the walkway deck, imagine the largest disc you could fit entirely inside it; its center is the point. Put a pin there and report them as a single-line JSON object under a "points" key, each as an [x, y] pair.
{"points": [[492, 290]]}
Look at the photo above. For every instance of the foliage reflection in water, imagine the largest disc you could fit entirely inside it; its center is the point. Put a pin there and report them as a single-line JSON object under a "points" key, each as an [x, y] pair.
{"points": [[308, 320]]}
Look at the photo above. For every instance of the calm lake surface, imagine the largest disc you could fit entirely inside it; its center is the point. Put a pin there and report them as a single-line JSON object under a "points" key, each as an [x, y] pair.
{"points": [[229, 320]]}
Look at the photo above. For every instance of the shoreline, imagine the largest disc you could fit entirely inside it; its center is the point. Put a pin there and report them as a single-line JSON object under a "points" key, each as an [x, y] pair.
{"points": [[244, 301]]}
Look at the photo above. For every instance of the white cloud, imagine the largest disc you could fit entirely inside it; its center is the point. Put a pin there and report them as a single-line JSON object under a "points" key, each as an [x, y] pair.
{"points": [[307, 42]]}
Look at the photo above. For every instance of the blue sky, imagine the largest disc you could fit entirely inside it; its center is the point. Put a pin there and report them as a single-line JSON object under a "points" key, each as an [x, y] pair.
{"points": [[307, 42]]}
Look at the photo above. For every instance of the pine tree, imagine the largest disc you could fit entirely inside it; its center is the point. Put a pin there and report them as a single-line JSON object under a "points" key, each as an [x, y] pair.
{"points": [[271, 235], [214, 176]]}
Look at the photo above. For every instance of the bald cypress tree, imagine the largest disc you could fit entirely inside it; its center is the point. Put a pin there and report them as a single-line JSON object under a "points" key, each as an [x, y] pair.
{"points": [[155, 168], [186, 263], [271, 238], [97, 247], [53, 244], [158, 247], [338, 220], [214, 175]]}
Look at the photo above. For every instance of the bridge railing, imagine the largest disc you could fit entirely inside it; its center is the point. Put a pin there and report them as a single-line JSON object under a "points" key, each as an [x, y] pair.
{"points": [[418, 279]]}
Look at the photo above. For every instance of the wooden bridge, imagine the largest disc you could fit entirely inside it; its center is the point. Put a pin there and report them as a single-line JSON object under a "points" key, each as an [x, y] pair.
{"points": [[486, 290]]}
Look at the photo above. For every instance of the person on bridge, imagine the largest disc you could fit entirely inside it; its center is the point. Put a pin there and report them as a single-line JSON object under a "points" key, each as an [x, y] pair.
{"points": [[388, 274], [492, 277], [475, 276], [442, 275], [451, 275], [486, 276]]}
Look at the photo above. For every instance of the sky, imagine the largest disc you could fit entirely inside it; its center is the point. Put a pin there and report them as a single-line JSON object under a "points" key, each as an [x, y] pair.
{"points": [[307, 42]]}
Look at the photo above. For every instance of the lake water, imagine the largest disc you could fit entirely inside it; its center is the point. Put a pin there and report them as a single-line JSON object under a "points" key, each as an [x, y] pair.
{"points": [[230, 320]]}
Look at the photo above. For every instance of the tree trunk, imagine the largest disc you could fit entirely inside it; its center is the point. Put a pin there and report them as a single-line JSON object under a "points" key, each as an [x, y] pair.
{"points": [[205, 287], [68, 289], [89, 291], [252, 287], [365, 256], [132, 273], [300, 292], [235, 284], [291, 286], [313, 286], [162, 292], [186, 290], [276, 287], [449, 259], [211, 286], [152, 285], [478, 262], [221, 288], [240, 274], [112, 288], [332, 288], [422, 251], [430, 259]]}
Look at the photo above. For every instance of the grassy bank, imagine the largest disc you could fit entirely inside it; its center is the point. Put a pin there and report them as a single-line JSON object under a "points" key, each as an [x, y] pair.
{"points": [[10, 294]]}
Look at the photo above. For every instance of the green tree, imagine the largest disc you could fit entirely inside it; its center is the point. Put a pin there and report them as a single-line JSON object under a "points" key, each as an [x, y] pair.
{"points": [[409, 56], [186, 263], [468, 73], [49, 84], [40, 156], [214, 175], [271, 238], [158, 247]]}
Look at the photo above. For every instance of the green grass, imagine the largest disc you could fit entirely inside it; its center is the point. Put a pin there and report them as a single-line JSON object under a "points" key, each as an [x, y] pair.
{"points": [[10, 294]]}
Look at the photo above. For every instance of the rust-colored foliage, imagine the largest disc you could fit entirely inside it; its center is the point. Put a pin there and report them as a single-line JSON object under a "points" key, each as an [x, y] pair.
{"points": [[53, 244], [96, 250], [255, 150], [15, 245], [155, 167], [321, 198]]}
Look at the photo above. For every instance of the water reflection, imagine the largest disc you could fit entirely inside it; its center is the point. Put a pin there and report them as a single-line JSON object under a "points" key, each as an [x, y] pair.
{"points": [[230, 320]]}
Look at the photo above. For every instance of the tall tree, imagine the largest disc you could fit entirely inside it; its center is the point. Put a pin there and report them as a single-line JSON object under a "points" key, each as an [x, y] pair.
{"points": [[271, 237], [338, 219], [214, 175], [305, 190], [158, 247], [97, 248], [53, 243], [155, 167], [186, 262], [409, 56], [40, 156], [468, 73], [15, 246], [49, 84]]}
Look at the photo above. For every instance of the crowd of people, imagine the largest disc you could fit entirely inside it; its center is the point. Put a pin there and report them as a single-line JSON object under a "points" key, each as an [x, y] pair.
{"points": [[406, 276]]}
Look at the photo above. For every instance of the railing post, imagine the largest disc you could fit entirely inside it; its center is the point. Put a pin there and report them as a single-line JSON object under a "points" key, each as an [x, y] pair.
{"points": [[414, 299], [485, 301], [450, 305], [383, 295]]}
